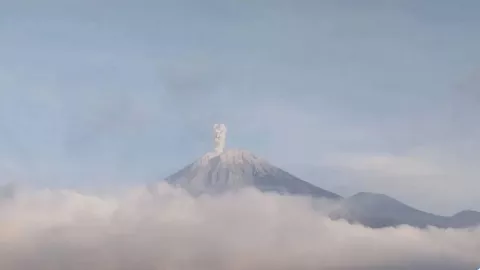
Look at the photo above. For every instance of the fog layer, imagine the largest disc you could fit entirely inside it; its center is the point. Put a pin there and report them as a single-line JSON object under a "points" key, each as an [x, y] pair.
{"points": [[165, 228]]}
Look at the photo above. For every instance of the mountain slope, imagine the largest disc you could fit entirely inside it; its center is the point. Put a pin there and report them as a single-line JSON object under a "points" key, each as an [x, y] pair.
{"points": [[234, 169]]}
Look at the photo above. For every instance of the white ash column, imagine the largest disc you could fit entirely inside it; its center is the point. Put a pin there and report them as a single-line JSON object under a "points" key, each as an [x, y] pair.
{"points": [[220, 134]]}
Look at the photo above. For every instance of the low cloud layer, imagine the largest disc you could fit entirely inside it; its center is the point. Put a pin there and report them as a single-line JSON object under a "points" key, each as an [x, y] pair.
{"points": [[165, 228]]}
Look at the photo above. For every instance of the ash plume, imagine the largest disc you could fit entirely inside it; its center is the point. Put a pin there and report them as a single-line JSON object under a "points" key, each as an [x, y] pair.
{"points": [[220, 134]]}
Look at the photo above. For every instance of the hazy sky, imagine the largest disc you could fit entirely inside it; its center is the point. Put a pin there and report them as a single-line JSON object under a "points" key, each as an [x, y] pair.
{"points": [[380, 96]]}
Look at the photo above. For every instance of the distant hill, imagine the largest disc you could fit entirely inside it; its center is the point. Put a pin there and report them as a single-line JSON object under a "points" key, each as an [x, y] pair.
{"points": [[378, 210]]}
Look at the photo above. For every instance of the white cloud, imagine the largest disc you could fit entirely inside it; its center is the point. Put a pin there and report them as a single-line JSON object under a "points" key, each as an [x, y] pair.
{"points": [[247, 230]]}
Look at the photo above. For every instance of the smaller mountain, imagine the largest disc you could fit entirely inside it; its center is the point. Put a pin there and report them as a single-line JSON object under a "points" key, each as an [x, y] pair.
{"points": [[218, 172], [378, 211], [465, 219]]}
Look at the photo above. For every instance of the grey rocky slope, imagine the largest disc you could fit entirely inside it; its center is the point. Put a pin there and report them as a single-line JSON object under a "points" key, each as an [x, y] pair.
{"points": [[234, 169]]}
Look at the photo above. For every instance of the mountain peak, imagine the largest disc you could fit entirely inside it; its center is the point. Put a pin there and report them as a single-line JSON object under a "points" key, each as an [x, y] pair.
{"points": [[233, 169], [217, 172], [231, 158], [238, 156]]}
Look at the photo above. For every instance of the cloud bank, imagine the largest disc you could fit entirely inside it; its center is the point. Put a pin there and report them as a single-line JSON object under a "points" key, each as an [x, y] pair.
{"points": [[165, 228]]}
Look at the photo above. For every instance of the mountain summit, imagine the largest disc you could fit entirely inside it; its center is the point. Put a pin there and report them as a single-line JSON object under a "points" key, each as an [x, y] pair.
{"points": [[217, 172], [220, 171]]}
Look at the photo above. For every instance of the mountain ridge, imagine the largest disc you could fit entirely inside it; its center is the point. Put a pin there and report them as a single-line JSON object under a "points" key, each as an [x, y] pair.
{"points": [[222, 171]]}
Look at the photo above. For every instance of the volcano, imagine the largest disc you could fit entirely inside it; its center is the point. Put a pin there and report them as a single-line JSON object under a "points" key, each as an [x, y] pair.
{"points": [[218, 172], [224, 171]]}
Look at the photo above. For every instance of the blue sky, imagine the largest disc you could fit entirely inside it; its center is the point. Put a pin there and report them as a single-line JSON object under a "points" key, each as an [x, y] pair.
{"points": [[378, 96]]}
